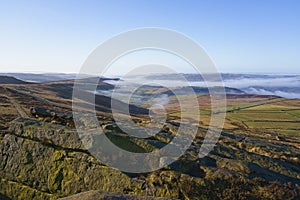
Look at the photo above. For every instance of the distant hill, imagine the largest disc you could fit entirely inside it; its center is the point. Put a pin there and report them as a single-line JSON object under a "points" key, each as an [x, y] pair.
{"points": [[287, 86], [41, 78], [51, 77], [205, 90], [11, 80]]}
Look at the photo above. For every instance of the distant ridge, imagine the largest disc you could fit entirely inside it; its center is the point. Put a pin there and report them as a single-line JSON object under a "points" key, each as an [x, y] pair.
{"points": [[52, 77], [11, 80], [41, 78]]}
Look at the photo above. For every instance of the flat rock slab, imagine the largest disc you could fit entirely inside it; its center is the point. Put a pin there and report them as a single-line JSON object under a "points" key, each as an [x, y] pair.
{"points": [[97, 195]]}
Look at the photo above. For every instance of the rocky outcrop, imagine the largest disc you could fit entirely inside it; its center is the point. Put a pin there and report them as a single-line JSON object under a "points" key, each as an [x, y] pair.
{"points": [[40, 160], [46, 161], [53, 116]]}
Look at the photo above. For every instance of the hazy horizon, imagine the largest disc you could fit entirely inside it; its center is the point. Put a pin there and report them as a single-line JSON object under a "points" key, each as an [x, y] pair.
{"points": [[114, 75]]}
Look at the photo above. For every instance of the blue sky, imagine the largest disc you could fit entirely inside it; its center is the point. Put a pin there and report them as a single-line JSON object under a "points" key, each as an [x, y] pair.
{"points": [[257, 36]]}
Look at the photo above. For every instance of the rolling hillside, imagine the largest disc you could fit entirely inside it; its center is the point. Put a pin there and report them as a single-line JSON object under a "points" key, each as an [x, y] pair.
{"points": [[11, 80]]}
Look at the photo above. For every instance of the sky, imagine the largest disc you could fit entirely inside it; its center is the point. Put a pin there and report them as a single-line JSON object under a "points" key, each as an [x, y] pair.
{"points": [[257, 36]]}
